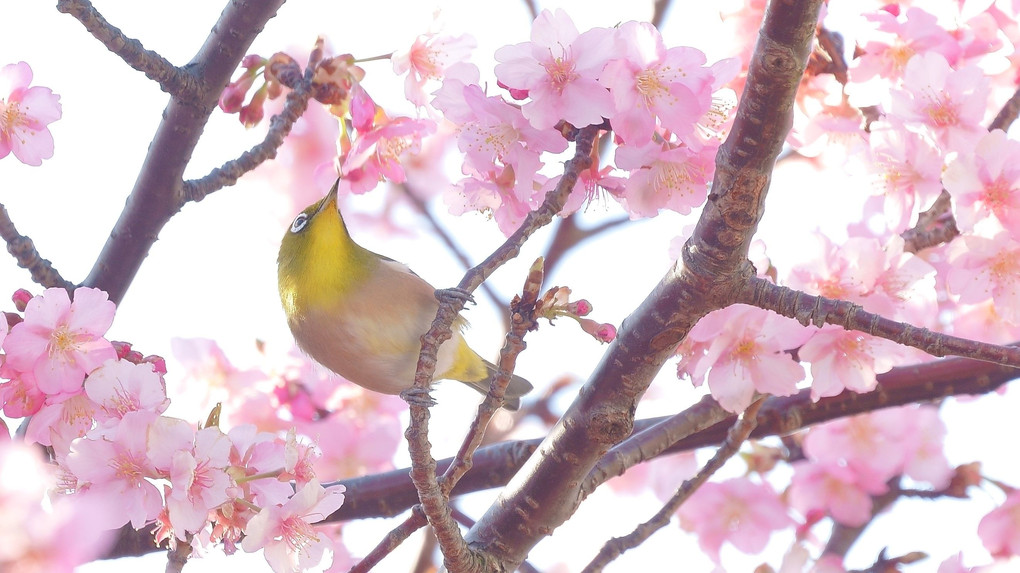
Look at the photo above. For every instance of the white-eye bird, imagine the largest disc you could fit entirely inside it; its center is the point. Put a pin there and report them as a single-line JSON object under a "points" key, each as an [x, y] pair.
{"points": [[362, 315]]}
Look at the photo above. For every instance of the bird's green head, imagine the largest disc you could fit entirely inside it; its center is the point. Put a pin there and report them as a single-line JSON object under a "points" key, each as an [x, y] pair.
{"points": [[318, 261]]}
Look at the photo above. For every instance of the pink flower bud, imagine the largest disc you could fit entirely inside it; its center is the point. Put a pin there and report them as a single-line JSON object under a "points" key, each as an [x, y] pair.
{"points": [[581, 307], [601, 332], [158, 363], [123, 349], [515, 93], [21, 298]]}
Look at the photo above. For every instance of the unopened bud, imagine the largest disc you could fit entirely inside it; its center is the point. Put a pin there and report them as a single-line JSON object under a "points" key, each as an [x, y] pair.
{"points": [[21, 298]]}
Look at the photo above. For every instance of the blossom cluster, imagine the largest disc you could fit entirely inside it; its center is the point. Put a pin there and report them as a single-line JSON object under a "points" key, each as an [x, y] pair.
{"points": [[100, 408]]}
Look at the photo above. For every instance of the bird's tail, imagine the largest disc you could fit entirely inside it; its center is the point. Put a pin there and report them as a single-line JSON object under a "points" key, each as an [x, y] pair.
{"points": [[515, 389]]}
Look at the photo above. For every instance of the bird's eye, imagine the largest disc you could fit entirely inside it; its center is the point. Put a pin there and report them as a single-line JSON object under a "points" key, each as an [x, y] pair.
{"points": [[300, 222]]}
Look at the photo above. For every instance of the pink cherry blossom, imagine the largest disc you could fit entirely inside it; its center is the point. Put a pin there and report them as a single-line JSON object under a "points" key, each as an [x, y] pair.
{"points": [[883, 444], [885, 50], [19, 394], [24, 114], [650, 82], [115, 468], [195, 463], [945, 102], [427, 59], [1000, 529], [63, 417], [376, 154], [847, 359], [664, 177], [984, 268], [745, 349], [559, 68], [61, 341], [54, 534], [834, 489], [119, 387], [254, 459], [740, 511], [985, 182], [285, 532], [908, 167]]}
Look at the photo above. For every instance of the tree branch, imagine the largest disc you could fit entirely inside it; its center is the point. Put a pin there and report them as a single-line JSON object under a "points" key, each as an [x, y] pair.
{"points": [[734, 438], [24, 252], [817, 310], [170, 78], [156, 195], [391, 493], [713, 268], [423, 466]]}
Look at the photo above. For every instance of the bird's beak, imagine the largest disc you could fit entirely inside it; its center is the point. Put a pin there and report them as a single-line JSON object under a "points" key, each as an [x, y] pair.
{"points": [[330, 200]]}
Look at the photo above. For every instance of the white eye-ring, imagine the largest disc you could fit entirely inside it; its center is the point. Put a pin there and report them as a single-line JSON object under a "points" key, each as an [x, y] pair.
{"points": [[300, 222]]}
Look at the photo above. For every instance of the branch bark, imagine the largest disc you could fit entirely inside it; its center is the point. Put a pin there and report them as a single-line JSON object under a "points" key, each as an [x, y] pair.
{"points": [[547, 490], [155, 197]]}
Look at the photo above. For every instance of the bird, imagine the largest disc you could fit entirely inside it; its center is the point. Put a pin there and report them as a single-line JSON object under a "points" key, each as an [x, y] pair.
{"points": [[362, 315]]}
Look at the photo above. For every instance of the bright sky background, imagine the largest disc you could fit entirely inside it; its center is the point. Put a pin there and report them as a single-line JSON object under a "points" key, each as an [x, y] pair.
{"points": [[213, 272]]}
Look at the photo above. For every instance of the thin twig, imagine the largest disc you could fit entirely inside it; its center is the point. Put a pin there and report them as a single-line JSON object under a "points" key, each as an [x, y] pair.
{"points": [[393, 539], [522, 319], [170, 78], [24, 252], [816, 310], [279, 127], [423, 472], [737, 434], [454, 248]]}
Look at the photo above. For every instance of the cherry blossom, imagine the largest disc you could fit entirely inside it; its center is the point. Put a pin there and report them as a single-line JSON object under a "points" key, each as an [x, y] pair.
{"points": [[1000, 529], [376, 154], [651, 82], [986, 268], [61, 341], [940, 100], [25, 113], [559, 68], [427, 59], [745, 349], [119, 387], [664, 177], [832, 488], [743, 512], [985, 183], [114, 470], [908, 167], [847, 359], [285, 531]]}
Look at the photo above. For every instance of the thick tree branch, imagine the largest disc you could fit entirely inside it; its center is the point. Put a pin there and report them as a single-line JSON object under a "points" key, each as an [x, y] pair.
{"points": [[156, 195], [170, 78], [392, 493], [24, 252], [713, 268]]}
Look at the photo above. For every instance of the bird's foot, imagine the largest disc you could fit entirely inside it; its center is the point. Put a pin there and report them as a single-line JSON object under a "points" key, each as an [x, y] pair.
{"points": [[416, 396], [452, 295]]}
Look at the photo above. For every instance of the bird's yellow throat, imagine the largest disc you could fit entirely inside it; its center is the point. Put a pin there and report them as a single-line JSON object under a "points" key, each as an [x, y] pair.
{"points": [[319, 263]]}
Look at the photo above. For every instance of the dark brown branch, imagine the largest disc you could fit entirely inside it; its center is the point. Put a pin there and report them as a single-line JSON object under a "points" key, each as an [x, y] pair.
{"points": [[170, 78], [423, 472], [392, 493], [156, 195], [393, 539], [522, 320], [24, 252], [1008, 114], [713, 267], [279, 127], [734, 438], [659, 13], [809, 309]]}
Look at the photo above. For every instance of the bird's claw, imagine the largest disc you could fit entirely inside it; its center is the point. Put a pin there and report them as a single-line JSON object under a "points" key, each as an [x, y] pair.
{"points": [[451, 295], [416, 396]]}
